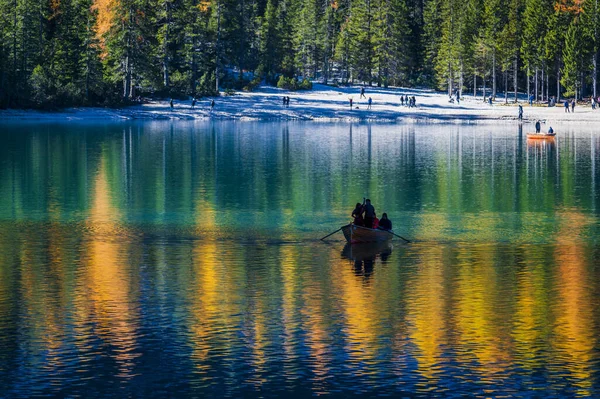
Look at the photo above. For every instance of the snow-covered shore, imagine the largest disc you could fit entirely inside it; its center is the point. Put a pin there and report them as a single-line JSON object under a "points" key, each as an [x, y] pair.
{"points": [[323, 103]]}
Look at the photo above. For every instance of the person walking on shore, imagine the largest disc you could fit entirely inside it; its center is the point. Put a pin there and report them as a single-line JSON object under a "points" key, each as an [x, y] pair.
{"points": [[350, 99], [212, 105], [369, 103], [362, 93], [566, 104], [520, 112], [573, 105], [171, 104], [402, 101], [193, 102], [538, 127]]}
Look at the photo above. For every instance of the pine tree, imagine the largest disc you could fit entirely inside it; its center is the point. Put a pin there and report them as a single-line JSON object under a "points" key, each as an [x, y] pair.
{"points": [[360, 41], [494, 19], [432, 32], [129, 45], [390, 42], [574, 55], [510, 44]]}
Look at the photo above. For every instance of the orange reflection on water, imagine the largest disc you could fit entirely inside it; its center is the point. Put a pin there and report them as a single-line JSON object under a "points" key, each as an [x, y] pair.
{"points": [[575, 335], [426, 314], [108, 279], [531, 322], [476, 314], [360, 307]]}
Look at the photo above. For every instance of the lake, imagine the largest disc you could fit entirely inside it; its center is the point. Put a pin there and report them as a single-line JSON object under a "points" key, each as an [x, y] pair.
{"points": [[182, 259]]}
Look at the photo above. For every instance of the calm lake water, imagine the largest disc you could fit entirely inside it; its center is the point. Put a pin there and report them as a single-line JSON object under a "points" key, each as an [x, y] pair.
{"points": [[162, 259]]}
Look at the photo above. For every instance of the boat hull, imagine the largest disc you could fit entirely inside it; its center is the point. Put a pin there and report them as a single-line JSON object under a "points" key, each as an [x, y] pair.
{"points": [[358, 234], [540, 136]]}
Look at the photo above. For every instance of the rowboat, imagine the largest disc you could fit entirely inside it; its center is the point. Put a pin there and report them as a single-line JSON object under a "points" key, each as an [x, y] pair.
{"points": [[356, 234], [540, 136]]}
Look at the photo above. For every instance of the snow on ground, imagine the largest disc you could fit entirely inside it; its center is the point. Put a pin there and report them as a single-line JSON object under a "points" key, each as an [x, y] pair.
{"points": [[325, 103]]}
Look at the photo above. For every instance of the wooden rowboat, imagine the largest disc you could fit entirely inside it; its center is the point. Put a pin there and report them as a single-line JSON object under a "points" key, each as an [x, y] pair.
{"points": [[540, 136], [356, 234]]}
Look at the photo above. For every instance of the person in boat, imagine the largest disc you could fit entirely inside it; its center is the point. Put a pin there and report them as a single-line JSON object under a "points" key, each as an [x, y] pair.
{"points": [[385, 223], [357, 214], [538, 127], [375, 222], [369, 214], [550, 130]]}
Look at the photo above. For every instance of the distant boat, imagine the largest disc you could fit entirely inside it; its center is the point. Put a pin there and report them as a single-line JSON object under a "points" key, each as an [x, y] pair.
{"points": [[357, 234], [540, 136]]}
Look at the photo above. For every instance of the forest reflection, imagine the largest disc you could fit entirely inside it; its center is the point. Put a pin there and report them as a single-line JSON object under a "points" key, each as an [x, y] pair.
{"points": [[203, 241]]}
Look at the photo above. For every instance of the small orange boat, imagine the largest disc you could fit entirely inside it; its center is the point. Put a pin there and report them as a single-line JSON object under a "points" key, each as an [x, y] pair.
{"points": [[540, 136]]}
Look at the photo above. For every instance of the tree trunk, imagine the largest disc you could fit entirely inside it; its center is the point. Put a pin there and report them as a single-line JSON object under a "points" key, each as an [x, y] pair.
{"points": [[595, 49], [474, 85], [217, 46], [528, 84], [515, 79], [536, 85], [461, 79], [493, 75], [542, 84], [484, 90], [506, 87], [166, 46], [450, 81], [558, 83], [127, 61]]}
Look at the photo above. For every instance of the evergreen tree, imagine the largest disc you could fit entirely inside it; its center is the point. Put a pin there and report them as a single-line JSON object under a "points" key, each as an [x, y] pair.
{"points": [[574, 55], [390, 42], [361, 44], [128, 46], [494, 19]]}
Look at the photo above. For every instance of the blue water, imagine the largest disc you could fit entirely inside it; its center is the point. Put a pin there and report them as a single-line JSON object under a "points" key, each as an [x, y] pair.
{"points": [[183, 260]]}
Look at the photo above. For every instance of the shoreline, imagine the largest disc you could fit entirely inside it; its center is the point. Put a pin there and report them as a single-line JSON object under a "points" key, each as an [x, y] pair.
{"points": [[322, 104]]}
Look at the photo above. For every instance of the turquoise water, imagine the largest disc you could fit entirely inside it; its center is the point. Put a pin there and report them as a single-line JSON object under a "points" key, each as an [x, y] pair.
{"points": [[159, 259]]}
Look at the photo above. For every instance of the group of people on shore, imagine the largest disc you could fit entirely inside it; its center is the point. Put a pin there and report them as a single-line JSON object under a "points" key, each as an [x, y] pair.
{"points": [[286, 101], [364, 215], [410, 102], [571, 103], [193, 104]]}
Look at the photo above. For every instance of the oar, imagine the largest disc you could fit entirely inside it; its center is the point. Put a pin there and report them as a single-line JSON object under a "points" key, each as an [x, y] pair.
{"points": [[399, 236], [330, 234]]}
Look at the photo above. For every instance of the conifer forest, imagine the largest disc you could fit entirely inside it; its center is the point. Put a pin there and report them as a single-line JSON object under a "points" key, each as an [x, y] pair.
{"points": [[106, 52]]}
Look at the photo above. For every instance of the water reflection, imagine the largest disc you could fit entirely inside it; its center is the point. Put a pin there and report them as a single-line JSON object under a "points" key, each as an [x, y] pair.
{"points": [[185, 262], [364, 256]]}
